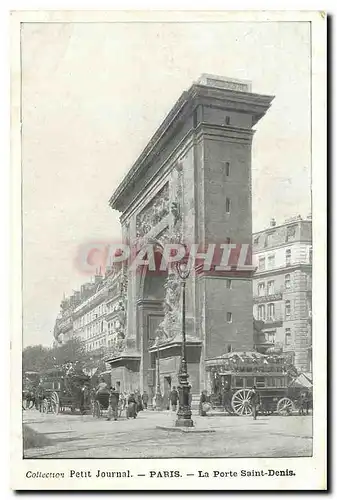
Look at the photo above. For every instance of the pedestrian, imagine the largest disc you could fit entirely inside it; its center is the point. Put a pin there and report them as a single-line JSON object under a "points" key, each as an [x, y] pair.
{"points": [[40, 397], [121, 403], [255, 401], [113, 404], [167, 400], [132, 407], [139, 401], [145, 399], [174, 396], [83, 397], [102, 387], [303, 409], [202, 402], [227, 398]]}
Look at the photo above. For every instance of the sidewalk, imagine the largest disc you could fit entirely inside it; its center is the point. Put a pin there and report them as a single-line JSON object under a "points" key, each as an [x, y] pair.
{"points": [[76, 436]]}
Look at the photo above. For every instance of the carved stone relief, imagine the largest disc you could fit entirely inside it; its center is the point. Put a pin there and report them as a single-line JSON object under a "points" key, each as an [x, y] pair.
{"points": [[170, 327], [119, 322], [176, 204], [171, 324], [153, 213]]}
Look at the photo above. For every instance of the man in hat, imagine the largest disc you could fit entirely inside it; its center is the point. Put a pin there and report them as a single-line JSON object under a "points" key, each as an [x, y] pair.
{"points": [[113, 404], [174, 396], [254, 401], [145, 399]]}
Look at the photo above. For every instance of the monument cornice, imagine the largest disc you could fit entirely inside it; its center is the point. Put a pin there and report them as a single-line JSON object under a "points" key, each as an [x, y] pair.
{"points": [[197, 95]]}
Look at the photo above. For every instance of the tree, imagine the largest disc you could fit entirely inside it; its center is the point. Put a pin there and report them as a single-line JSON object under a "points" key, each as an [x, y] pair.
{"points": [[37, 358], [73, 351]]}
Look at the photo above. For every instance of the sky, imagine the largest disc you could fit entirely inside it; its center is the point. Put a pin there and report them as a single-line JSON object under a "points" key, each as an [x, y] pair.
{"points": [[93, 94]]}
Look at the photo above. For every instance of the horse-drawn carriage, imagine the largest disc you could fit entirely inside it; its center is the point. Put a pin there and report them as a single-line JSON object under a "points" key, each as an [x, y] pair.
{"points": [[61, 389], [232, 377], [100, 405]]}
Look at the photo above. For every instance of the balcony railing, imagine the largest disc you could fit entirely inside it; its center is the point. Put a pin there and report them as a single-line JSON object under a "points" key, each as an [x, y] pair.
{"points": [[268, 298], [269, 320]]}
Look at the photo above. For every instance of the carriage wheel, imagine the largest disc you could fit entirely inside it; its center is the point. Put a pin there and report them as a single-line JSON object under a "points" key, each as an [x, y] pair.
{"points": [[97, 411], [24, 404], [55, 403], [31, 404], [241, 402], [285, 406]]}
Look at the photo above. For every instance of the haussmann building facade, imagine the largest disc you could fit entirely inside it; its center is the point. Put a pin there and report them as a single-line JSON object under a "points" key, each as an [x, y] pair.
{"points": [[191, 184], [282, 289]]}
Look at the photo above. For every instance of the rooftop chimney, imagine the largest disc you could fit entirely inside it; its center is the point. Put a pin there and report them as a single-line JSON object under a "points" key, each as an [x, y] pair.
{"points": [[272, 222]]}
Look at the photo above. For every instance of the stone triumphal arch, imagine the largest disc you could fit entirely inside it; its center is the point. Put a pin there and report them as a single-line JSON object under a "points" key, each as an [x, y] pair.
{"points": [[191, 184]]}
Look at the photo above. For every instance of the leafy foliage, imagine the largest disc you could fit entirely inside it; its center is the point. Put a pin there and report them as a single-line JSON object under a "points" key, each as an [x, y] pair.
{"points": [[39, 358]]}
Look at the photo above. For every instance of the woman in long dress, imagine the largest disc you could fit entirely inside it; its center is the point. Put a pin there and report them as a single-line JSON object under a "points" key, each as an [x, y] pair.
{"points": [[132, 407]]}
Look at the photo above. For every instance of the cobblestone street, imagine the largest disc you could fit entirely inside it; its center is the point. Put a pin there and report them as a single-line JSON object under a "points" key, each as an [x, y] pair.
{"points": [[77, 436]]}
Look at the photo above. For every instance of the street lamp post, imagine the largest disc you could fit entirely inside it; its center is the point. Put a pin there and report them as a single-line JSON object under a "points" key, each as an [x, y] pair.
{"points": [[184, 413], [158, 396]]}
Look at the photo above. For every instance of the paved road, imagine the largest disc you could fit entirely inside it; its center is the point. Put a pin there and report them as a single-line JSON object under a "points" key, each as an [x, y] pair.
{"points": [[77, 436]]}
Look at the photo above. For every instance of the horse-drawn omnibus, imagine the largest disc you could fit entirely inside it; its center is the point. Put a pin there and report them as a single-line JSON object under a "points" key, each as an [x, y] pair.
{"points": [[231, 378], [61, 389]]}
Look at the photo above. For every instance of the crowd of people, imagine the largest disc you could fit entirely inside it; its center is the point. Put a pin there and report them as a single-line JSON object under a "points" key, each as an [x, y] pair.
{"points": [[130, 404], [121, 403]]}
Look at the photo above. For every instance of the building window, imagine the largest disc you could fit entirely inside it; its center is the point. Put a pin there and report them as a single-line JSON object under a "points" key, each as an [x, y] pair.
{"points": [[271, 261], [261, 289], [287, 309], [268, 239], [229, 284], [228, 205], [291, 233], [260, 382], [270, 288], [288, 257], [256, 240], [287, 338], [262, 263], [195, 118], [270, 336], [310, 255], [227, 120], [227, 168], [287, 281], [270, 311], [229, 317], [261, 311]]}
